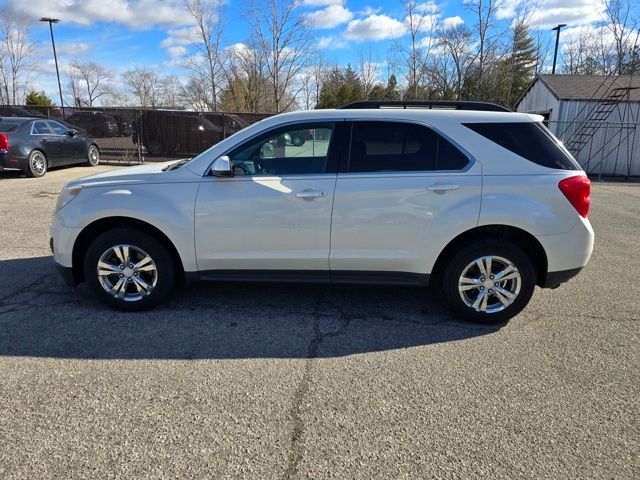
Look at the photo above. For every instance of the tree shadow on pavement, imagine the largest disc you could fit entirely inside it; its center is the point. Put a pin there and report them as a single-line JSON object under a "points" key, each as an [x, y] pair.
{"points": [[41, 317]]}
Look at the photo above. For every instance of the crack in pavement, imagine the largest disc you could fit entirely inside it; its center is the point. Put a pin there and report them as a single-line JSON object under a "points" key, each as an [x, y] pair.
{"points": [[295, 453]]}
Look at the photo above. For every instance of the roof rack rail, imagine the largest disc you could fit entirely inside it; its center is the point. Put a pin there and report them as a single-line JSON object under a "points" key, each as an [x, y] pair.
{"points": [[430, 104]]}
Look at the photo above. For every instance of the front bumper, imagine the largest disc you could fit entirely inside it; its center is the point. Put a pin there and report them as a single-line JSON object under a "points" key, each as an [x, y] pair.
{"points": [[67, 275]]}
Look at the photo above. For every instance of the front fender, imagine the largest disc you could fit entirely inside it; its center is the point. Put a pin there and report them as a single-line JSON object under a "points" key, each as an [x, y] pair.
{"points": [[168, 207]]}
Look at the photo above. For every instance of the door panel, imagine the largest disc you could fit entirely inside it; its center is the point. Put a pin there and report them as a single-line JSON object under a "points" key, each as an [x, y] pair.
{"points": [[74, 148], [48, 142], [397, 206], [394, 223], [263, 223], [275, 212]]}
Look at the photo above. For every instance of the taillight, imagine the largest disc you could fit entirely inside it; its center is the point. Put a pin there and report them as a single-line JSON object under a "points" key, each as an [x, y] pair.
{"points": [[4, 143], [578, 192]]}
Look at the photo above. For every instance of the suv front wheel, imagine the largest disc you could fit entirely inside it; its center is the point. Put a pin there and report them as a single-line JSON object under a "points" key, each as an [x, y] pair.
{"points": [[129, 269], [489, 282]]}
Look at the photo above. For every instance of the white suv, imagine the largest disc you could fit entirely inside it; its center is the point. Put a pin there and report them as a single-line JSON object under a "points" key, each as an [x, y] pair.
{"points": [[483, 202]]}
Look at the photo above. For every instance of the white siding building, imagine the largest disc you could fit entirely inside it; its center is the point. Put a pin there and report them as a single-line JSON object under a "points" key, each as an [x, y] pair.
{"points": [[597, 118]]}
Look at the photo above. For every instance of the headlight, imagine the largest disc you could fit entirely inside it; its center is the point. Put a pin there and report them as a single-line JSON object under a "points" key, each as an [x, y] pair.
{"points": [[66, 195]]}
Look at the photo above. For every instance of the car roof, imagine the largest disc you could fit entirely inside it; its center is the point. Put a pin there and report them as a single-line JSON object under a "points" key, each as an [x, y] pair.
{"points": [[420, 114], [21, 119]]}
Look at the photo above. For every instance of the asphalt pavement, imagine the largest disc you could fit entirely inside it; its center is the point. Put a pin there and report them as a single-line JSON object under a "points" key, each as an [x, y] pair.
{"points": [[293, 381]]}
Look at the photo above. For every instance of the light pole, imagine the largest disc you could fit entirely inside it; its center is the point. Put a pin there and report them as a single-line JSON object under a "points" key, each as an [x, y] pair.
{"points": [[555, 52], [55, 57]]}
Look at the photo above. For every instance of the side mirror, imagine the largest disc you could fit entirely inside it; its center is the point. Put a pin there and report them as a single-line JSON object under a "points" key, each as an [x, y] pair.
{"points": [[222, 167], [72, 132]]}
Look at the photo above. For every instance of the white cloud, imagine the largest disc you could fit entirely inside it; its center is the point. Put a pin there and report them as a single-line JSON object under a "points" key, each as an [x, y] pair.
{"points": [[507, 9], [73, 49], [549, 13], [452, 21], [178, 51], [329, 17], [331, 42], [428, 7], [572, 12], [375, 27], [322, 3], [135, 14], [180, 37]]}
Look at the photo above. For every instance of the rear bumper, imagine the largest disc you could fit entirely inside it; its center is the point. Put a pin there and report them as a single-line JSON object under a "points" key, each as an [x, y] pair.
{"points": [[11, 162], [570, 250]]}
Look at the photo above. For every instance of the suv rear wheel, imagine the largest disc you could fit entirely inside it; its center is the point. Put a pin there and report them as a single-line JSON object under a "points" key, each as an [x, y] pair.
{"points": [[129, 269], [489, 282]]}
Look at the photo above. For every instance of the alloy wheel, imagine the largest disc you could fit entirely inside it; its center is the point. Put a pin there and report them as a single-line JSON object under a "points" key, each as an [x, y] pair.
{"points": [[127, 272], [489, 284], [38, 164]]}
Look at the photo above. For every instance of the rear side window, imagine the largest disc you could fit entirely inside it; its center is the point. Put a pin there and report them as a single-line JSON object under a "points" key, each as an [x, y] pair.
{"points": [[401, 147], [529, 140], [40, 128]]}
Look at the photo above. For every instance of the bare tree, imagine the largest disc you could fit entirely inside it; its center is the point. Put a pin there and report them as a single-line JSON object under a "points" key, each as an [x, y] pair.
{"points": [[87, 82], [421, 25], [367, 71], [454, 61], [247, 82], [620, 20], [283, 40], [484, 12], [15, 52], [206, 65], [146, 86]]}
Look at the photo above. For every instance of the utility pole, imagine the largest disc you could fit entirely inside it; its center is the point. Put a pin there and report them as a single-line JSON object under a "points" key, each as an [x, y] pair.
{"points": [[555, 52], [51, 21]]}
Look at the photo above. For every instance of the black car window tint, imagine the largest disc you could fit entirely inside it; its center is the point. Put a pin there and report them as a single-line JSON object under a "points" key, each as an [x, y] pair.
{"points": [[41, 128], [528, 140]]}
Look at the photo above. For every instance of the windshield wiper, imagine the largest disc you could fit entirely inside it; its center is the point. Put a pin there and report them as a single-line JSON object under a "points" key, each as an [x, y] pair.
{"points": [[173, 166]]}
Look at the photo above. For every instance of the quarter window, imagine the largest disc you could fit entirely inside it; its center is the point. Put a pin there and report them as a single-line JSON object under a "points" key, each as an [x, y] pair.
{"points": [[295, 150], [401, 147], [529, 140]]}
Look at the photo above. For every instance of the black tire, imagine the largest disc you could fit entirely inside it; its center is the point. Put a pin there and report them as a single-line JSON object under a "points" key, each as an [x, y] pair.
{"points": [[297, 141], [93, 156], [36, 164], [164, 267], [463, 258]]}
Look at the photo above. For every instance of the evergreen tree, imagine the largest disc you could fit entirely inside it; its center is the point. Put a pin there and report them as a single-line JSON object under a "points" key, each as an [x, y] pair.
{"points": [[340, 87], [520, 64], [392, 88], [38, 99]]}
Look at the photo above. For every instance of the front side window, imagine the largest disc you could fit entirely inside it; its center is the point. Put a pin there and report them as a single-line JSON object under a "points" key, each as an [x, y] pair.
{"points": [[40, 128], [58, 128], [297, 150], [401, 147]]}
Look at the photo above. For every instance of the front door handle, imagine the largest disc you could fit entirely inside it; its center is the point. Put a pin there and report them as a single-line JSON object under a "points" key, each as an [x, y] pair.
{"points": [[310, 194], [442, 187]]}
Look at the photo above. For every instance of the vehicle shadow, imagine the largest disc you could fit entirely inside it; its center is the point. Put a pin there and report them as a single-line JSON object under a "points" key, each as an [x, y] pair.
{"points": [[42, 317]]}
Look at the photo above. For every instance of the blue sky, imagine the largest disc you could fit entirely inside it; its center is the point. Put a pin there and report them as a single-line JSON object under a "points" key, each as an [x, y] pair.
{"points": [[121, 34]]}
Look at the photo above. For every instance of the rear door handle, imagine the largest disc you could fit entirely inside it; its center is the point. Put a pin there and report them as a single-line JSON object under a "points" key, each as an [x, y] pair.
{"points": [[442, 187], [310, 194]]}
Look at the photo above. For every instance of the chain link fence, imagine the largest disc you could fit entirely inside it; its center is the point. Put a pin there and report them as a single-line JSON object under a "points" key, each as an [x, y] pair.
{"points": [[132, 136], [612, 151]]}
